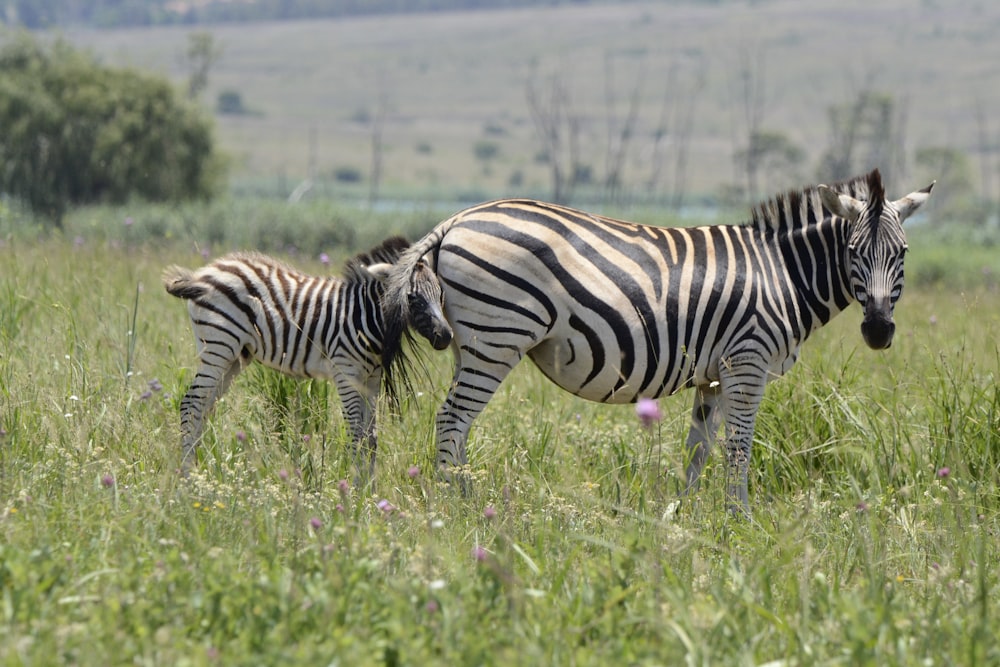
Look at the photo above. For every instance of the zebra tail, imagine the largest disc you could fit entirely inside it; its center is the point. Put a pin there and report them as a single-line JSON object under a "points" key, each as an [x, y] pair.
{"points": [[180, 282]]}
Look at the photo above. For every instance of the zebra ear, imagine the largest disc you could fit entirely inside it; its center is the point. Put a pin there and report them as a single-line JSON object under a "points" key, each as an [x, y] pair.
{"points": [[380, 271], [908, 205], [840, 204]]}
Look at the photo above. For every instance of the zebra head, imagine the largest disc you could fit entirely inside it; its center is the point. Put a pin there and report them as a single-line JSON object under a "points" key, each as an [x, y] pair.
{"points": [[876, 246], [426, 302]]}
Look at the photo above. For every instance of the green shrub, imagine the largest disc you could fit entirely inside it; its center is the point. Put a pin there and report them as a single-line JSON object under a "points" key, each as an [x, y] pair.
{"points": [[75, 132]]}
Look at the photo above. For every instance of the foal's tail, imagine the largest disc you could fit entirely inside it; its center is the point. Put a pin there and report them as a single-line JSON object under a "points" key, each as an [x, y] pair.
{"points": [[180, 282]]}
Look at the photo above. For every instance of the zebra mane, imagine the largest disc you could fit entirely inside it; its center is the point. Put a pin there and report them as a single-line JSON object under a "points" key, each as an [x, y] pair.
{"points": [[799, 208], [387, 252]]}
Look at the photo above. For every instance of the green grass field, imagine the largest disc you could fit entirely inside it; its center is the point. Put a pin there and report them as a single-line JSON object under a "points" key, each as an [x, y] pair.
{"points": [[873, 486]]}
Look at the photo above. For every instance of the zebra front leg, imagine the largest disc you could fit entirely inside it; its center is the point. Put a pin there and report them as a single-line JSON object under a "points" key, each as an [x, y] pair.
{"points": [[742, 390], [706, 416], [358, 401], [476, 380]]}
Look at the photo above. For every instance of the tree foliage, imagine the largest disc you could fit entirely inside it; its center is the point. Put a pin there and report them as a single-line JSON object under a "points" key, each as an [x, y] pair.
{"points": [[75, 132]]}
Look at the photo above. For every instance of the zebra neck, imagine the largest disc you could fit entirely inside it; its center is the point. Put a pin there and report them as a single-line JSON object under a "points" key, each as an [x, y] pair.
{"points": [[816, 259]]}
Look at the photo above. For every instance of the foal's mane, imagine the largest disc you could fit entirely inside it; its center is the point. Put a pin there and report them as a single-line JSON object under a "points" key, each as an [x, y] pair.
{"points": [[799, 208], [387, 252]]}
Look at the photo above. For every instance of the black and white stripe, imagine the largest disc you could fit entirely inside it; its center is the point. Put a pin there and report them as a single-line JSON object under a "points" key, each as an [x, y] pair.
{"points": [[247, 306], [614, 311]]}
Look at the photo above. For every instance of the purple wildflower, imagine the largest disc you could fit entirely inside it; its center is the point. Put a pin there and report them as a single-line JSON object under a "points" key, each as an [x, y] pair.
{"points": [[315, 523], [386, 506], [479, 553], [490, 512], [943, 472], [648, 411], [413, 472], [107, 481], [241, 436], [324, 259]]}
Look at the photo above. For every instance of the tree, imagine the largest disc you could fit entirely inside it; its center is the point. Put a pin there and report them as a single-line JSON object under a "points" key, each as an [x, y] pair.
{"points": [[953, 170], [771, 152], [620, 133], [202, 53], [751, 93], [864, 133], [676, 124], [486, 151], [76, 132], [558, 130]]}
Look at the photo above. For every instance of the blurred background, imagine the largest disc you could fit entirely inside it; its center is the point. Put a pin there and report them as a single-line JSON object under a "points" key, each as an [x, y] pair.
{"points": [[679, 108]]}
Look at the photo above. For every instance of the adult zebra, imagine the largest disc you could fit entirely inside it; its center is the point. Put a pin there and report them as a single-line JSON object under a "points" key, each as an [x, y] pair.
{"points": [[613, 311], [247, 306]]}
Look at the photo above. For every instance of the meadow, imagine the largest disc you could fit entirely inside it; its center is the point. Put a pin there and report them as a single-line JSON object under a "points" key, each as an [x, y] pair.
{"points": [[874, 486]]}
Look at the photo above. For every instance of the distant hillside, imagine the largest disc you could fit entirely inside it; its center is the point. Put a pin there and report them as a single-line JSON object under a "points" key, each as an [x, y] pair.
{"points": [[691, 103], [36, 14]]}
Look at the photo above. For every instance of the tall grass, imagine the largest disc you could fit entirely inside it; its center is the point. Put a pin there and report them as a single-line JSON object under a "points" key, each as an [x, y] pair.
{"points": [[874, 491]]}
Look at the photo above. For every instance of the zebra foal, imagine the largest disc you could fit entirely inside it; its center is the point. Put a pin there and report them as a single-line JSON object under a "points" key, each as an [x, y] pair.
{"points": [[247, 306], [613, 311]]}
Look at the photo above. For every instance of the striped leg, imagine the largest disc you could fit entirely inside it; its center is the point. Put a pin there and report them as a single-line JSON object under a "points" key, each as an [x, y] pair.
{"points": [[706, 416], [217, 369], [357, 400], [742, 381], [477, 377]]}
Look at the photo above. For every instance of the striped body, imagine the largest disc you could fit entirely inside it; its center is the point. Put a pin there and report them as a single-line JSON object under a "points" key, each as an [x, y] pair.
{"points": [[249, 307], [613, 311]]}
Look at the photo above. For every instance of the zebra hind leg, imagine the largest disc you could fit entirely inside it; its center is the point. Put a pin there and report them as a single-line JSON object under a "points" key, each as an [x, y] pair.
{"points": [[706, 416], [210, 382]]}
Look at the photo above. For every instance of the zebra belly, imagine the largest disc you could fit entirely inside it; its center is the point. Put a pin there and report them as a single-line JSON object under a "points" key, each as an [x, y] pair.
{"points": [[598, 374]]}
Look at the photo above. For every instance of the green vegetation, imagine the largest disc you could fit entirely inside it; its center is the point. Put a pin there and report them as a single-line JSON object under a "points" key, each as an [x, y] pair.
{"points": [[874, 489], [75, 132], [875, 475]]}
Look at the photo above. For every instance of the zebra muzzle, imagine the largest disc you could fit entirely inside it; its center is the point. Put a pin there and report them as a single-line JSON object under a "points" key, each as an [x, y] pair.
{"points": [[877, 328], [429, 322]]}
